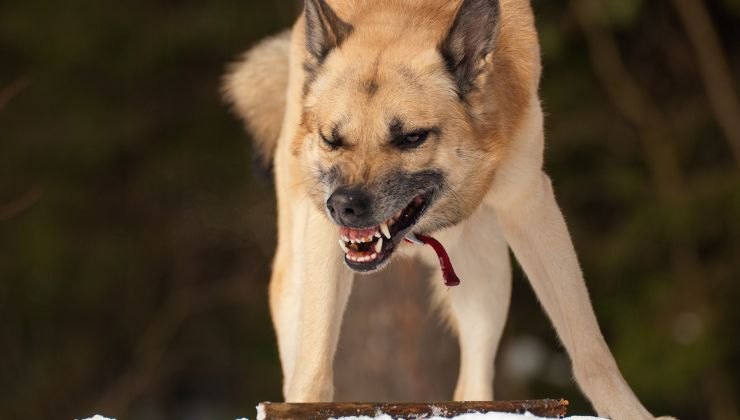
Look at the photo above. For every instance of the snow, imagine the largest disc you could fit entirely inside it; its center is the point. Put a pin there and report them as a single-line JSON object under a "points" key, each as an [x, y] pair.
{"points": [[437, 415], [261, 412]]}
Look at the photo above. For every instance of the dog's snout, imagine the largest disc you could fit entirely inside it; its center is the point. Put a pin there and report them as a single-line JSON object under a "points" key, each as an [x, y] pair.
{"points": [[349, 206]]}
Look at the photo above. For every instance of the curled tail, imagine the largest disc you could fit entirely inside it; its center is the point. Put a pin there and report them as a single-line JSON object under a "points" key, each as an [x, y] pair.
{"points": [[255, 86]]}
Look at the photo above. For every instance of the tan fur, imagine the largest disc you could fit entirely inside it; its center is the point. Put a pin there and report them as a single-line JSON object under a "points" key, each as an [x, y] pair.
{"points": [[491, 150], [255, 85]]}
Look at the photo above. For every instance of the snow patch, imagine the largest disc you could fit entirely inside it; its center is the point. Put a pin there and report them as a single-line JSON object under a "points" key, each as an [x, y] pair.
{"points": [[261, 415]]}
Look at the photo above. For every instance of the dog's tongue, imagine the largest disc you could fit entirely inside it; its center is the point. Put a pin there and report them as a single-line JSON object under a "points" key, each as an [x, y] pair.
{"points": [[448, 273]]}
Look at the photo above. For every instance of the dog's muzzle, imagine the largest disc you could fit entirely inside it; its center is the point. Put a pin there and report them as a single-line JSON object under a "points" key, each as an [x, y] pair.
{"points": [[366, 244]]}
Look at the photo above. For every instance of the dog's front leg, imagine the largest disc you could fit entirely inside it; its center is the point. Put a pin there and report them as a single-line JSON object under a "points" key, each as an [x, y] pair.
{"points": [[535, 229], [324, 285]]}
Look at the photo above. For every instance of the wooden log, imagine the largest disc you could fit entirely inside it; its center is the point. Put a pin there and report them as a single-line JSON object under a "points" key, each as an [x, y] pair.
{"points": [[321, 411]]}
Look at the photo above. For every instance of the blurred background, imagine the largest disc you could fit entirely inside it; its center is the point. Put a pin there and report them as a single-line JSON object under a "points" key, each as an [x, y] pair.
{"points": [[135, 239]]}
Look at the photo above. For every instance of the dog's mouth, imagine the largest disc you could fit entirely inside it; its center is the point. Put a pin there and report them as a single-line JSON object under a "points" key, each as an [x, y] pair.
{"points": [[367, 249]]}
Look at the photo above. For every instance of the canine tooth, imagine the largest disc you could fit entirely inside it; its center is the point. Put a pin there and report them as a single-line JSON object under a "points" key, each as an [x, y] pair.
{"points": [[343, 246], [385, 230], [414, 239], [377, 234], [379, 245]]}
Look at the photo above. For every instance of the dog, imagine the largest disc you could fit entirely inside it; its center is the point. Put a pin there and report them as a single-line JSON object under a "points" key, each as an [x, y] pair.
{"points": [[388, 118]]}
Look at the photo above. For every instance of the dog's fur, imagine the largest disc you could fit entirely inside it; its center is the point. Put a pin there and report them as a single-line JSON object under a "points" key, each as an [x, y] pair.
{"points": [[327, 104]]}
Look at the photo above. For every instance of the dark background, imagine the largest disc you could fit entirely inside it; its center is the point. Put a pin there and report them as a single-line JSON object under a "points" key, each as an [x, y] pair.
{"points": [[135, 242]]}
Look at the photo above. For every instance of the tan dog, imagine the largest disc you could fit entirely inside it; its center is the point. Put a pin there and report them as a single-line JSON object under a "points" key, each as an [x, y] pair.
{"points": [[384, 117]]}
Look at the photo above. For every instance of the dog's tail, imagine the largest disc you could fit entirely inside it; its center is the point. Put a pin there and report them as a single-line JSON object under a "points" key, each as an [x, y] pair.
{"points": [[255, 85]]}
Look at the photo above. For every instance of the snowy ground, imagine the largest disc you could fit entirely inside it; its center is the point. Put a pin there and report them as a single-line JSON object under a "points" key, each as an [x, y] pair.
{"points": [[487, 416]]}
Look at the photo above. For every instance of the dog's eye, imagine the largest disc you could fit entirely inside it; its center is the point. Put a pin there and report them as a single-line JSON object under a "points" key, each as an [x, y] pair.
{"points": [[411, 140], [334, 142]]}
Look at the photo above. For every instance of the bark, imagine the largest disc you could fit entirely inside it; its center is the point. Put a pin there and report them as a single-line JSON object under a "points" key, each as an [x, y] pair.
{"points": [[543, 408]]}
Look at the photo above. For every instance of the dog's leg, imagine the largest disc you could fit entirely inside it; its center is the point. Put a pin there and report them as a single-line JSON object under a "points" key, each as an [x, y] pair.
{"points": [[536, 231], [284, 305], [538, 235], [314, 295], [478, 307]]}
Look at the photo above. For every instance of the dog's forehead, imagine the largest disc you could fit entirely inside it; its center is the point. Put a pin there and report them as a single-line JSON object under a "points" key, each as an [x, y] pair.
{"points": [[364, 93]]}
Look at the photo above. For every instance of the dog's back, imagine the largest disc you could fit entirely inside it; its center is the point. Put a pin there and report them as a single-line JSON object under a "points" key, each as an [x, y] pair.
{"points": [[255, 86]]}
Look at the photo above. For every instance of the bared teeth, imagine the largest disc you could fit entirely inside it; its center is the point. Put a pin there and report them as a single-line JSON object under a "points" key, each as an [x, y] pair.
{"points": [[379, 245], [385, 230], [343, 246], [362, 257], [414, 239]]}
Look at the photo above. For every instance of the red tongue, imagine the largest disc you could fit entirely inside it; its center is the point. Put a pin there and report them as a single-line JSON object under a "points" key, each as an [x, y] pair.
{"points": [[448, 272]]}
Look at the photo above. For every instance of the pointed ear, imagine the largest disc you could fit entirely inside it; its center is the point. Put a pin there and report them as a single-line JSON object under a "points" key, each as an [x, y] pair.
{"points": [[470, 40], [324, 29]]}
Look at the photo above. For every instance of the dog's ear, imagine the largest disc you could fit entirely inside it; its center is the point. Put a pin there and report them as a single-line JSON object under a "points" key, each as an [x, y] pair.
{"points": [[470, 40], [324, 29]]}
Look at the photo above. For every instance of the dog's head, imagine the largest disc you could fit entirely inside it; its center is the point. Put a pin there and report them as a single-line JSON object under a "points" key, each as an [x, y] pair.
{"points": [[390, 138]]}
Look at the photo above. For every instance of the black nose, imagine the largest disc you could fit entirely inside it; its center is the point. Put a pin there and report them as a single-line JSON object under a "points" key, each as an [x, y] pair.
{"points": [[349, 206]]}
